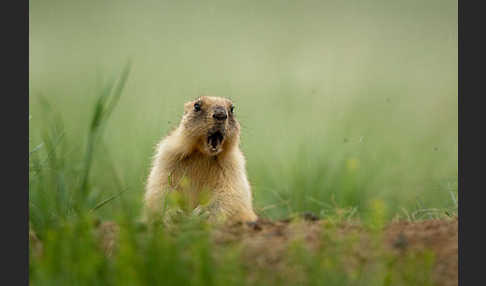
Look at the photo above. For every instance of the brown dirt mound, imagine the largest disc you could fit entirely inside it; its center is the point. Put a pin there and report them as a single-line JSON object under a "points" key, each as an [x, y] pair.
{"points": [[265, 242], [439, 236]]}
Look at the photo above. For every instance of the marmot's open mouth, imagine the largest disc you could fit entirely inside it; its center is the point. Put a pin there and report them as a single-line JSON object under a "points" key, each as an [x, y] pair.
{"points": [[215, 139]]}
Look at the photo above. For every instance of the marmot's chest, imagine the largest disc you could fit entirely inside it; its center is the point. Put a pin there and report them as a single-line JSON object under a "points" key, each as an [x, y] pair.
{"points": [[197, 174]]}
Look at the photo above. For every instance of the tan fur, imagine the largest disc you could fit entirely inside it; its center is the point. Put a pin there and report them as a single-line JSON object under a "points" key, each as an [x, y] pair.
{"points": [[184, 153]]}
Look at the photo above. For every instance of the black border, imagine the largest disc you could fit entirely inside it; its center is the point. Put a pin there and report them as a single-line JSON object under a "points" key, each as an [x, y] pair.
{"points": [[14, 24], [471, 143]]}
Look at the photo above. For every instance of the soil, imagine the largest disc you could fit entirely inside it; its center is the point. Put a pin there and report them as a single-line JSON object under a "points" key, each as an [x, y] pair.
{"points": [[265, 244]]}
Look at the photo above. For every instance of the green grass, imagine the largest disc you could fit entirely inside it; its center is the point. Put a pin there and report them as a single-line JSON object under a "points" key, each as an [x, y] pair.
{"points": [[341, 105]]}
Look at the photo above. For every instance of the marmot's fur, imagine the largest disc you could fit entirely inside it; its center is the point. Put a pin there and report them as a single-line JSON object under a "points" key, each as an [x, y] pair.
{"points": [[202, 154]]}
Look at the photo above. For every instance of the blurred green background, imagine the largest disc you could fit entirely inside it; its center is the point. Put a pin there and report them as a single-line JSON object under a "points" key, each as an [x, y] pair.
{"points": [[340, 102]]}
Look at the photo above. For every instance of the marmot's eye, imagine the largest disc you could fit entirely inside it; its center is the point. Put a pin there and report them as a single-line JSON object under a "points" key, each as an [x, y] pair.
{"points": [[232, 107], [197, 106]]}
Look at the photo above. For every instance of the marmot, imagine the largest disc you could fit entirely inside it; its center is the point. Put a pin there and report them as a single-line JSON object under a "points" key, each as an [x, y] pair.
{"points": [[204, 148]]}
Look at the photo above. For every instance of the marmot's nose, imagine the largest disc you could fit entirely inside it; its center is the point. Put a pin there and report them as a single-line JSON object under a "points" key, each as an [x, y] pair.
{"points": [[220, 114]]}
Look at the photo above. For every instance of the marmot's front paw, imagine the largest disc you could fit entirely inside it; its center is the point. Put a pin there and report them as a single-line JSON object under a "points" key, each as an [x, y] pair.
{"points": [[200, 211]]}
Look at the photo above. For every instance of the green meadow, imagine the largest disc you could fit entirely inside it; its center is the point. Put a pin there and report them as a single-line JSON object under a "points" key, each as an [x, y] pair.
{"points": [[343, 105]]}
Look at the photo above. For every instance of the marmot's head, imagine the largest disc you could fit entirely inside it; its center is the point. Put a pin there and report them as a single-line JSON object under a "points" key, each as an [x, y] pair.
{"points": [[211, 123]]}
